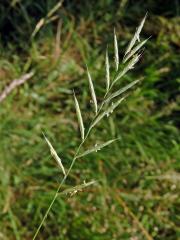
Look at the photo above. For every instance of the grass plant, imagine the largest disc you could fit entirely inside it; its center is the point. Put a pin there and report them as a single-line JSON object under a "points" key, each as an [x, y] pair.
{"points": [[127, 190], [105, 109]]}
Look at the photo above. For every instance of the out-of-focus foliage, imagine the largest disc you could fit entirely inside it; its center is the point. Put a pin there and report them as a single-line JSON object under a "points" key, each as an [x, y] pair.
{"points": [[138, 176]]}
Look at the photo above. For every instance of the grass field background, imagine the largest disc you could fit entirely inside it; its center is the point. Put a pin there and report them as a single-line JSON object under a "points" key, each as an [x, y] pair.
{"points": [[137, 195]]}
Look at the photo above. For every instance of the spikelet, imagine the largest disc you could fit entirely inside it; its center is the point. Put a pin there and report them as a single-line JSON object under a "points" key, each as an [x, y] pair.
{"points": [[134, 50], [77, 188], [96, 148], [107, 71], [93, 94], [116, 53], [128, 67], [122, 90], [54, 155], [107, 112], [79, 116], [136, 36]]}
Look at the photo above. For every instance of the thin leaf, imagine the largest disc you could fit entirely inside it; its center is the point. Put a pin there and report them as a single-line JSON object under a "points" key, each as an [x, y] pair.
{"points": [[77, 188], [122, 90], [54, 155], [79, 116], [93, 94], [136, 36], [134, 50], [107, 112], [96, 148], [116, 53], [107, 71]]}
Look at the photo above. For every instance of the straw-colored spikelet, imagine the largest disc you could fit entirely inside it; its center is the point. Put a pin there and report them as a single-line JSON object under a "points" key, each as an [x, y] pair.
{"points": [[121, 90], [116, 53], [55, 156], [136, 36], [79, 116], [96, 148], [93, 94], [134, 50], [77, 188], [107, 71], [107, 112]]}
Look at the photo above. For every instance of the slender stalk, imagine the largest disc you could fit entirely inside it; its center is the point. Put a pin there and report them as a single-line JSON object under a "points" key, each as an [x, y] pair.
{"points": [[60, 185]]}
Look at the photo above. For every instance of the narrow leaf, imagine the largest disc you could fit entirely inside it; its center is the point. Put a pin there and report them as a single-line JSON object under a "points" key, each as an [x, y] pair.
{"points": [[96, 148], [54, 155], [116, 53], [122, 90], [107, 71], [93, 94], [79, 116], [136, 36]]}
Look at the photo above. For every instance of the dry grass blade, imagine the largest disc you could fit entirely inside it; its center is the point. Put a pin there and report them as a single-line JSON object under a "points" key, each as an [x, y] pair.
{"points": [[136, 36], [48, 18], [55, 8], [15, 83], [58, 41], [96, 148], [134, 50], [54, 155], [116, 53], [122, 90], [38, 27], [107, 71], [77, 188], [93, 94], [107, 112], [79, 116]]}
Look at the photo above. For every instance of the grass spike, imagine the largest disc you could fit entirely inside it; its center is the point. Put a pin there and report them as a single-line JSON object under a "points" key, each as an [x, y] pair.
{"points": [[55, 155], [96, 148], [136, 36], [128, 67], [79, 116], [134, 50], [116, 53], [107, 112], [107, 71], [122, 90], [77, 188], [93, 94], [139, 29]]}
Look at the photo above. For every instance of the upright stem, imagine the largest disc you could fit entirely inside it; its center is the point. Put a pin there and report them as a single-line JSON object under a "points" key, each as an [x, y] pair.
{"points": [[69, 170], [60, 185]]}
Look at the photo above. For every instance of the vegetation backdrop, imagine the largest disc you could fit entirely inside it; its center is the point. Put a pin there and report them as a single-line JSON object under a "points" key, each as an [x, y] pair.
{"points": [[137, 192]]}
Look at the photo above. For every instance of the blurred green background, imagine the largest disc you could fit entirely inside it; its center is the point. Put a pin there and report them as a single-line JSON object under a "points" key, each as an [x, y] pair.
{"points": [[138, 181]]}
